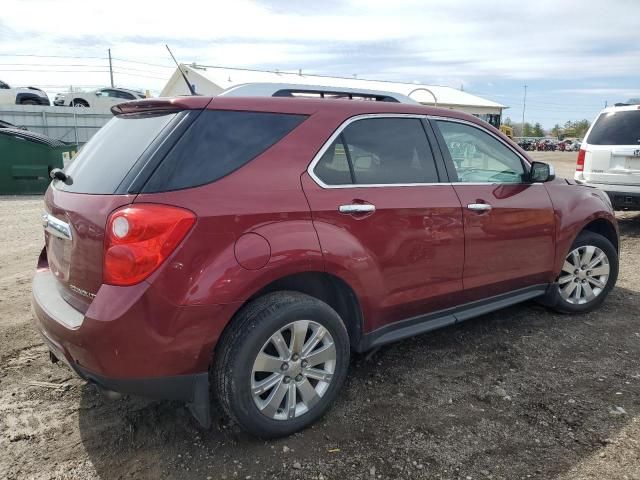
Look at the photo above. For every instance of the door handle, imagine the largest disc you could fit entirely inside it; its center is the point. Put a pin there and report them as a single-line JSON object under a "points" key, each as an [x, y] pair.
{"points": [[357, 208], [479, 207]]}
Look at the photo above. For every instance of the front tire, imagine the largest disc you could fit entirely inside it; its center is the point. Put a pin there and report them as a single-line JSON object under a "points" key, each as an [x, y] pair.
{"points": [[588, 274], [281, 363]]}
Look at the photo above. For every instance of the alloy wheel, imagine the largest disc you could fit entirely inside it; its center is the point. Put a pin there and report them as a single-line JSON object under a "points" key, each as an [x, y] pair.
{"points": [[584, 275], [293, 370]]}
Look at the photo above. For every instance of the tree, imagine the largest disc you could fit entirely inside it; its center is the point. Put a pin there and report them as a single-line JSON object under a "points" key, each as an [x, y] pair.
{"points": [[556, 131], [576, 128], [581, 127], [527, 130], [537, 130]]}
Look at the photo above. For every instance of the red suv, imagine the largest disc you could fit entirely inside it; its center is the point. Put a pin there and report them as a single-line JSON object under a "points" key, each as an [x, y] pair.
{"points": [[245, 246]]}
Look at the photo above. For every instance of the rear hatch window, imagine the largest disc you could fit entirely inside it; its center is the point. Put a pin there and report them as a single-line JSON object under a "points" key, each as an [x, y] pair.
{"points": [[616, 128], [104, 162], [218, 143]]}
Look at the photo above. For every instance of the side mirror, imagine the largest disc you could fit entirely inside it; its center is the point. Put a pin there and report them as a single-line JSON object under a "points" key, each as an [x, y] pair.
{"points": [[541, 172]]}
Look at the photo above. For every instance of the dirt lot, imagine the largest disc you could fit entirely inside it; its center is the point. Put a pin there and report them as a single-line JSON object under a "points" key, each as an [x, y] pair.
{"points": [[521, 393]]}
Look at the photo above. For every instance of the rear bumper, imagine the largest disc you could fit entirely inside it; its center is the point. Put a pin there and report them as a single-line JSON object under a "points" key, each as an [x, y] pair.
{"points": [[132, 340], [192, 389], [623, 197]]}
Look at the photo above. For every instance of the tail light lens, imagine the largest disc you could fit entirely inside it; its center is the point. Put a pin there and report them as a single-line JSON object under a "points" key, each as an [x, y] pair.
{"points": [[139, 238], [580, 161]]}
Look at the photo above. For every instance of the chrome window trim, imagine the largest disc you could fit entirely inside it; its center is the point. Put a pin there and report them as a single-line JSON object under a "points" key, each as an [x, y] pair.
{"points": [[337, 133], [355, 118], [481, 128]]}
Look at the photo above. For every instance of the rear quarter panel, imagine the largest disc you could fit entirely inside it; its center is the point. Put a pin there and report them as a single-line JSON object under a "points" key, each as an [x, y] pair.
{"points": [[263, 197]]}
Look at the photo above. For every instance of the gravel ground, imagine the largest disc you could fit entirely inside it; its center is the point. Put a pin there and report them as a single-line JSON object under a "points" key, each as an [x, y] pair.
{"points": [[520, 393]]}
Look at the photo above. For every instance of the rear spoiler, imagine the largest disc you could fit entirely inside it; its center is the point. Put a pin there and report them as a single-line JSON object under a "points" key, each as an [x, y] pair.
{"points": [[161, 105]]}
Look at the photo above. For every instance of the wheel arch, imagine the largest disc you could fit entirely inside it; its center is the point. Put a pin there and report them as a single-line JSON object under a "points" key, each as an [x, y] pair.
{"points": [[28, 96], [603, 227], [332, 290]]}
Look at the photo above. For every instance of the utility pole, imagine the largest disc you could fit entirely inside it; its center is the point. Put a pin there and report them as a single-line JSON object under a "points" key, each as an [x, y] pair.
{"points": [[110, 69], [524, 107]]}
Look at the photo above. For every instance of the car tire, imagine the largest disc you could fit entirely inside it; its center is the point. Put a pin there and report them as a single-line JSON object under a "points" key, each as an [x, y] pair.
{"points": [[580, 289], [259, 348], [28, 102], [78, 102]]}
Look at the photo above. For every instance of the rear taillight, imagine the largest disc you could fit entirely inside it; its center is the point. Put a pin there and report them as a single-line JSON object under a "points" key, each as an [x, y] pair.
{"points": [[580, 161], [139, 238]]}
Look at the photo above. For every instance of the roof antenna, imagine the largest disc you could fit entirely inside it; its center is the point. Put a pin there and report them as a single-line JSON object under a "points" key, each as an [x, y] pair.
{"points": [[191, 89]]}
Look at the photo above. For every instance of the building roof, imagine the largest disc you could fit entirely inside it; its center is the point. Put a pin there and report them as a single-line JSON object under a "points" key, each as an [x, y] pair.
{"points": [[224, 78]]}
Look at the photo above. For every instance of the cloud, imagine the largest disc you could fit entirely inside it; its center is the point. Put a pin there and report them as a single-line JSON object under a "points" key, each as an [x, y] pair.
{"points": [[620, 92], [438, 41]]}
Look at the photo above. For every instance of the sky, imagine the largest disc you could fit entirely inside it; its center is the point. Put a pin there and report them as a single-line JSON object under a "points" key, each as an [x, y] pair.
{"points": [[574, 56]]}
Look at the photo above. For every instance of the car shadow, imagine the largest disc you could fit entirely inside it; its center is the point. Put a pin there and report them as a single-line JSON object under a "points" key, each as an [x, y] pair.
{"points": [[522, 391], [629, 223]]}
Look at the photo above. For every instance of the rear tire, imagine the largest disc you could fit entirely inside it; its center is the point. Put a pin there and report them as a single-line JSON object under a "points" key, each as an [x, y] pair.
{"points": [[264, 373], [589, 273], [78, 102], [28, 102]]}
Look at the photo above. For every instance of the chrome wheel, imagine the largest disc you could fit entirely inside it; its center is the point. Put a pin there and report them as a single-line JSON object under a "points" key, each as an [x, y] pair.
{"points": [[584, 275], [293, 370]]}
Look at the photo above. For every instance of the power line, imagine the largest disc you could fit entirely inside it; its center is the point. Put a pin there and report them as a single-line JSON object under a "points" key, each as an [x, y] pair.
{"points": [[144, 63], [138, 75], [85, 58], [47, 56], [49, 64], [54, 71]]}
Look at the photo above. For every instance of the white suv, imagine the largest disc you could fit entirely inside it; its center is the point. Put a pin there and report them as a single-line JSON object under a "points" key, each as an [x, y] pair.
{"points": [[609, 156], [22, 95], [104, 97]]}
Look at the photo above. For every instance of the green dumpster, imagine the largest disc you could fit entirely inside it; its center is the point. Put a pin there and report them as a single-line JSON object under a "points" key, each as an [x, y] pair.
{"points": [[26, 158]]}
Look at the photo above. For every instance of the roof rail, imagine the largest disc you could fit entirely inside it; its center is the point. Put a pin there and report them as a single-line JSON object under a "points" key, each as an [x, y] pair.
{"points": [[313, 91]]}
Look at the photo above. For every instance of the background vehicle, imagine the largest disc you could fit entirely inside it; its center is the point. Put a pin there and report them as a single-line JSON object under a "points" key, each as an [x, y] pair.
{"points": [[22, 95], [102, 98], [259, 240], [609, 157], [507, 130]]}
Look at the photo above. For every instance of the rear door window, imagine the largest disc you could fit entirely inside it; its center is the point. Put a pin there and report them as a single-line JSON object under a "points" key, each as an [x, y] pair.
{"points": [[379, 151], [616, 128], [333, 168], [105, 160], [218, 143]]}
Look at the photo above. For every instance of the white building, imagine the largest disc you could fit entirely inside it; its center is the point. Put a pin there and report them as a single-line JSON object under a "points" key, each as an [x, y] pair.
{"points": [[213, 80]]}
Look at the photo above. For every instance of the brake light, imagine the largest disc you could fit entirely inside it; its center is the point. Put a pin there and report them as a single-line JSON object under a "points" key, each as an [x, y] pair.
{"points": [[139, 238], [580, 161]]}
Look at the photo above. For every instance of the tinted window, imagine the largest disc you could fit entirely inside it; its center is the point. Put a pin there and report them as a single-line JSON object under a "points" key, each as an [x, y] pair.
{"points": [[125, 95], [333, 167], [380, 151], [390, 150], [218, 143], [106, 159], [480, 157], [616, 128]]}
